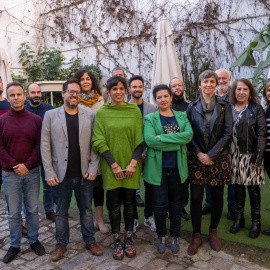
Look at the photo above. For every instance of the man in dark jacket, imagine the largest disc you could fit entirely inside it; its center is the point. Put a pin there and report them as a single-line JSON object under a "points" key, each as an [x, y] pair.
{"points": [[36, 106], [179, 103]]}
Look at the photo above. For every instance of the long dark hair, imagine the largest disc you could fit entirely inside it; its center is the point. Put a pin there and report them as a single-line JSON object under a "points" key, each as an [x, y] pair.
{"points": [[79, 73], [252, 91]]}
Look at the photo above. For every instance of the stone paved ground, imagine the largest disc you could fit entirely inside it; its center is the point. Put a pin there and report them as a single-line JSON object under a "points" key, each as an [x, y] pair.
{"points": [[147, 258]]}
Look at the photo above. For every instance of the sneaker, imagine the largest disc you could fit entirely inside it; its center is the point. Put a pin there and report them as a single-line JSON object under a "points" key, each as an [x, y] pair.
{"points": [[168, 215], [185, 216], [38, 248], [118, 252], [11, 254], [206, 209], [175, 245], [130, 250], [161, 247], [150, 222], [139, 201], [136, 225]]}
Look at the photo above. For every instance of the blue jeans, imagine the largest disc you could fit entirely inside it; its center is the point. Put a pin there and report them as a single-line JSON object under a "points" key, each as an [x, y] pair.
{"points": [[167, 196], [185, 197], [83, 193], [148, 208], [16, 189], [230, 196], [48, 202]]}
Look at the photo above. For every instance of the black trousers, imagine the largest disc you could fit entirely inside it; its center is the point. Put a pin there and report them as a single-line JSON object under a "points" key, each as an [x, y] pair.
{"points": [[196, 194], [115, 198]]}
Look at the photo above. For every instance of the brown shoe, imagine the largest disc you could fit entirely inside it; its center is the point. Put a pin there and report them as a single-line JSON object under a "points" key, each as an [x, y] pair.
{"points": [[24, 230], [196, 241], [50, 215], [58, 253], [95, 249], [215, 243]]}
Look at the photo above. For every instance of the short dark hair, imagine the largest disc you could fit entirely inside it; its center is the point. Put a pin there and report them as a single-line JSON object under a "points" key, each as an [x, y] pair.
{"points": [[15, 83], [79, 73], [160, 87], [265, 88], [1, 79], [250, 86], [206, 75], [135, 77], [70, 81], [27, 88], [114, 80]]}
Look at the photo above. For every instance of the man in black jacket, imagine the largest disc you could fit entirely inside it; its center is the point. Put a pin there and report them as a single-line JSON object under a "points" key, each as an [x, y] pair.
{"points": [[179, 103]]}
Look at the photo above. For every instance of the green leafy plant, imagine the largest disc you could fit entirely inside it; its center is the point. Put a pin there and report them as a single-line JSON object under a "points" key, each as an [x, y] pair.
{"points": [[47, 64], [259, 44]]}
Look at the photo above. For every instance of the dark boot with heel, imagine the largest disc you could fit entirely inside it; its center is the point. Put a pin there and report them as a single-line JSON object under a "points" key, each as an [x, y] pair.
{"points": [[255, 202], [240, 197]]}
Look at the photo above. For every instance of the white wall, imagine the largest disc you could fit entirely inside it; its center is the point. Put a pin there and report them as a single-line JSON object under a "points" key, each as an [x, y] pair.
{"points": [[13, 32]]}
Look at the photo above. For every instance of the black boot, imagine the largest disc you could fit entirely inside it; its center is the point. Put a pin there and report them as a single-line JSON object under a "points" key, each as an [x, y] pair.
{"points": [[255, 202], [240, 197]]}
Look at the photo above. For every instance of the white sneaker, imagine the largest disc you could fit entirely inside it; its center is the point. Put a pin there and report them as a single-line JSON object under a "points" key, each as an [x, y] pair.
{"points": [[136, 225], [150, 222]]}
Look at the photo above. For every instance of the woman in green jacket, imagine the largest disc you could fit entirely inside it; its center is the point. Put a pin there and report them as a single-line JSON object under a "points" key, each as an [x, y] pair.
{"points": [[118, 138], [166, 132]]}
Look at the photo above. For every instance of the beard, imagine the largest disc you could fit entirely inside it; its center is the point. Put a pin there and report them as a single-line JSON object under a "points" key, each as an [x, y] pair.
{"points": [[1, 91], [137, 95], [181, 95], [35, 101]]}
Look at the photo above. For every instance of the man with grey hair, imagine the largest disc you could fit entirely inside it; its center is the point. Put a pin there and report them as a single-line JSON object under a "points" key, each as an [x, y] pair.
{"points": [[224, 79]]}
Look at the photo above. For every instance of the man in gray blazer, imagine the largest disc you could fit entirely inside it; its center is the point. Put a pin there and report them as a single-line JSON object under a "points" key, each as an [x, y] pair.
{"points": [[136, 89], [70, 164]]}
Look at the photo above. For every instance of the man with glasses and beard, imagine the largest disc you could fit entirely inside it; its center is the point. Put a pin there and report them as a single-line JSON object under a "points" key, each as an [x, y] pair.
{"points": [[179, 103], [70, 164]]}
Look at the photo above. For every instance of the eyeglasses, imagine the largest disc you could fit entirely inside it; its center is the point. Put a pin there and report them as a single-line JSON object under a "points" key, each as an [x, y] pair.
{"points": [[73, 92], [175, 85]]}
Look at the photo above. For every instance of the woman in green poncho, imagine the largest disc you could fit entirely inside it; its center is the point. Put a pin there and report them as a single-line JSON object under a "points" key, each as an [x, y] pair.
{"points": [[118, 137]]}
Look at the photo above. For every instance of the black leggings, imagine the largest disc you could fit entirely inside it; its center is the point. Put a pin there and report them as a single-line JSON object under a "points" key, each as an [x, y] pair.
{"points": [[115, 197], [196, 192], [98, 196]]}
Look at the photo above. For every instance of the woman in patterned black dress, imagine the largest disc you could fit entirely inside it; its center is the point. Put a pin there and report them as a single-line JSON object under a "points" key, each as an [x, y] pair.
{"points": [[266, 107], [211, 121], [247, 150]]}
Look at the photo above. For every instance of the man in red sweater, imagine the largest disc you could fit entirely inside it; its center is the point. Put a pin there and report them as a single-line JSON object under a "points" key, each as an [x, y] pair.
{"points": [[20, 133]]}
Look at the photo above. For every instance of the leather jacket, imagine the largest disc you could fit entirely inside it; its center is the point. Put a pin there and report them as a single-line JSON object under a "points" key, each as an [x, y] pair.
{"points": [[220, 129], [251, 132]]}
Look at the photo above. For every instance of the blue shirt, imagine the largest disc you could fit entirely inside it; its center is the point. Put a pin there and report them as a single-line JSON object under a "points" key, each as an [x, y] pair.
{"points": [[169, 125]]}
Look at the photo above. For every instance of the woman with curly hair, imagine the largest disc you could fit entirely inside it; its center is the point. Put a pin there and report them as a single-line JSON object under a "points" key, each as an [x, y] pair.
{"points": [[92, 98]]}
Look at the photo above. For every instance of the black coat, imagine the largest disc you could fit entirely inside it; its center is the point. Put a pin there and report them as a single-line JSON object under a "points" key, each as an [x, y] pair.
{"points": [[251, 132], [220, 129]]}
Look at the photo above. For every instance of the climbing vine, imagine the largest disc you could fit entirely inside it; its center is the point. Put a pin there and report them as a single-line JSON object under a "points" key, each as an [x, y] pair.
{"points": [[207, 33]]}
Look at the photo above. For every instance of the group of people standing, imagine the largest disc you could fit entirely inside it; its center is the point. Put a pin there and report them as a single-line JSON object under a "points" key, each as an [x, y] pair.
{"points": [[90, 146]]}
